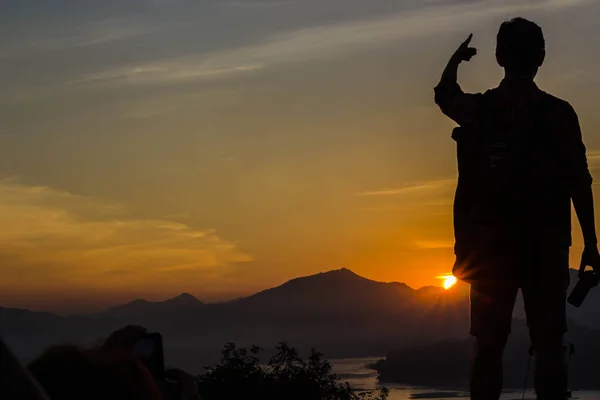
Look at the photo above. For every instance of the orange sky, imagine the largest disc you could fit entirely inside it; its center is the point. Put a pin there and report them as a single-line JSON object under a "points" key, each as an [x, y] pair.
{"points": [[155, 149]]}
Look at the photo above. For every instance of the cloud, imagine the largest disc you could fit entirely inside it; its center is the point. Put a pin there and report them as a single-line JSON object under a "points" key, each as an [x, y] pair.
{"points": [[418, 188], [80, 35], [49, 236], [319, 42], [167, 72]]}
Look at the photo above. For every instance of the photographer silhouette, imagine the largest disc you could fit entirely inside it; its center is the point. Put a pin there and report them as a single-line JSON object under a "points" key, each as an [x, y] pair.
{"points": [[521, 162]]}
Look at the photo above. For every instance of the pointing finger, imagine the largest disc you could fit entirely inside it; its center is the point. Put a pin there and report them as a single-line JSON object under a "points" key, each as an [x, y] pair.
{"points": [[466, 42]]}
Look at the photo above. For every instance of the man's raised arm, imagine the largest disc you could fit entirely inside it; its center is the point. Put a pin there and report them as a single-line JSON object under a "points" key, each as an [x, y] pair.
{"points": [[448, 94]]}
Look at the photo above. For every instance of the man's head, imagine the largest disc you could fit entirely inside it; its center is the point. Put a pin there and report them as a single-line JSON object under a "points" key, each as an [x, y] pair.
{"points": [[520, 47]]}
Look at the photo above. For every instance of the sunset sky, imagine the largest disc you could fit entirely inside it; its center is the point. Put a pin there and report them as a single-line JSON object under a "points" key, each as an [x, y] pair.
{"points": [[149, 148]]}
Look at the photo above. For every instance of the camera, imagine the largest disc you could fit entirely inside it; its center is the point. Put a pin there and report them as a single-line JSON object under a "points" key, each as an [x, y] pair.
{"points": [[587, 280]]}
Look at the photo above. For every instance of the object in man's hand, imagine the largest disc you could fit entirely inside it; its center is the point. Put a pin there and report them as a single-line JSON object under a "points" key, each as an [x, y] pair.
{"points": [[588, 280]]}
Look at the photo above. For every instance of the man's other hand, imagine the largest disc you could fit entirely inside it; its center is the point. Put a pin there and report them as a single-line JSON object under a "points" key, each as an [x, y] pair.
{"points": [[464, 52], [590, 257]]}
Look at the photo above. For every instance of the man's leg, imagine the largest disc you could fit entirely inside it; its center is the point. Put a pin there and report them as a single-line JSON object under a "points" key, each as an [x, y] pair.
{"points": [[545, 304], [491, 314], [550, 365]]}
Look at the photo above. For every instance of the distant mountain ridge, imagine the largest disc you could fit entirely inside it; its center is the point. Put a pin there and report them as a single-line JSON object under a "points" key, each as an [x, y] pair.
{"points": [[333, 290], [323, 284], [140, 306], [337, 312]]}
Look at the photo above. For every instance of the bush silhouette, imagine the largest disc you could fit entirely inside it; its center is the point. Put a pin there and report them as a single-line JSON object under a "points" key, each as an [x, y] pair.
{"points": [[287, 376]]}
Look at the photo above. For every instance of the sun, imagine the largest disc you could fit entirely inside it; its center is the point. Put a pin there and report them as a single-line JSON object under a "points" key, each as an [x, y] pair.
{"points": [[449, 281]]}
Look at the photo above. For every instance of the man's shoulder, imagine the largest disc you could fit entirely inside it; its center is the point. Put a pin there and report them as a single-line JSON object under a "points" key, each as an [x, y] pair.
{"points": [[545, 99], [554, 104], [490, 93]]}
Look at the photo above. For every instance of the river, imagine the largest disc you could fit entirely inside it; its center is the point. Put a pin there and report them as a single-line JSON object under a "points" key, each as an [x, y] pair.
{"points": [[354, 372]]}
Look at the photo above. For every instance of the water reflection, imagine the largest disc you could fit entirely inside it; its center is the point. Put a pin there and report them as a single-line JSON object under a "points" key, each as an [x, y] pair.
{"points": [[354, 371]]}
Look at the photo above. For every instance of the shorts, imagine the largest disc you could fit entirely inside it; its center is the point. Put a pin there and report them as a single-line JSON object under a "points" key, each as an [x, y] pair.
{"points": [[543, 279]]}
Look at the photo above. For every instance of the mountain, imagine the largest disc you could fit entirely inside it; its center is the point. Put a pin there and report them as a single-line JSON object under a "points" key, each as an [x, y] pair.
{"points": [[344, 314], [337, 312], [140, 307], [333, 291], [29, 332]]}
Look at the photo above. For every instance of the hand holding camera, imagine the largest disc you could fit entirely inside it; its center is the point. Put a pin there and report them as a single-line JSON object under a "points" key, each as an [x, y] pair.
{"points": [[587, 279]]}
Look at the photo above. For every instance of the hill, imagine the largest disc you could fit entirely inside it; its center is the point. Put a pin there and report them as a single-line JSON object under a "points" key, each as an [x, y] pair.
{"points": [[28, 332], [338, 312], [141, 307]]}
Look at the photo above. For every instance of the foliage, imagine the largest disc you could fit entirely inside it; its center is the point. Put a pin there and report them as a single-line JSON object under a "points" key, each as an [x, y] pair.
{"points": [[287, 376]]}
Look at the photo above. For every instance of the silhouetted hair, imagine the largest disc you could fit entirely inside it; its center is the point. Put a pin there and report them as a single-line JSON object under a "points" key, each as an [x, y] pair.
{"points": [[520, 44], [67, 372]]}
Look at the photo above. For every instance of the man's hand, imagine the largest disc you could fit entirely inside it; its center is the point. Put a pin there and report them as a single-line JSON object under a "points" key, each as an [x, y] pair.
{"points": [[590, 257], [464, 52]]}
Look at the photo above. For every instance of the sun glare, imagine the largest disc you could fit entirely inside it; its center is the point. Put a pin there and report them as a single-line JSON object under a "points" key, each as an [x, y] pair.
{"points": [[449, 281]]}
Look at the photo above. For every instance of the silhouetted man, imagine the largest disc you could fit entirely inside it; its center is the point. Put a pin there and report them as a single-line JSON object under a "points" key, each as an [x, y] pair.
{"points": [[521, 161]]}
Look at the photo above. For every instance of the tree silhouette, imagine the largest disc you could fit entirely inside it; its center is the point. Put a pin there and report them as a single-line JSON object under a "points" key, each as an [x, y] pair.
{"points": [[240, 375]]}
